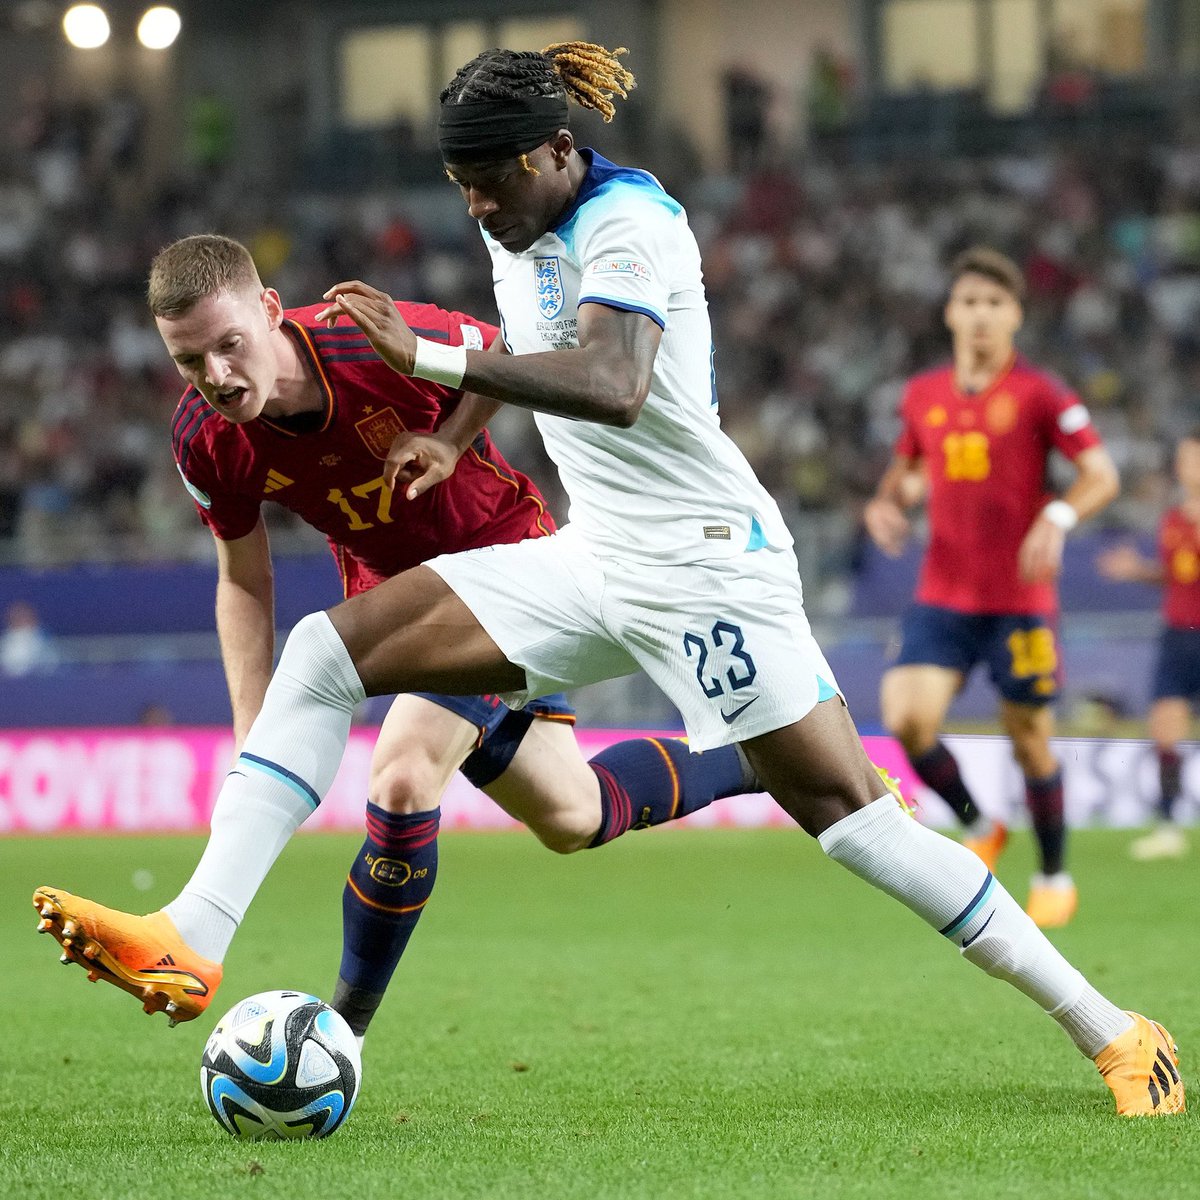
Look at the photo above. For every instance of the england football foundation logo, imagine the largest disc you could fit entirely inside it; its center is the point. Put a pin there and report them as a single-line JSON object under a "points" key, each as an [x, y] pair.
{"points": [[549, 286]]}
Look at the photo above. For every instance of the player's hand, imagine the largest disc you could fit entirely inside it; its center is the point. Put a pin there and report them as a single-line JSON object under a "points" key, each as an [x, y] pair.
{"points": [[1040, 558], [1122, 563], [417, 461], [887, 525], [375, 313]]}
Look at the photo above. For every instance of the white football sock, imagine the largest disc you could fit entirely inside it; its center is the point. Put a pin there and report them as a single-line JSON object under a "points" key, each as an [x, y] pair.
{"points": [[288, 763], [948, 887]]}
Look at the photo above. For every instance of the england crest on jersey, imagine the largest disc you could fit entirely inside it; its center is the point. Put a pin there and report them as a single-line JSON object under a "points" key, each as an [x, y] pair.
{"points": [[549, 287]]}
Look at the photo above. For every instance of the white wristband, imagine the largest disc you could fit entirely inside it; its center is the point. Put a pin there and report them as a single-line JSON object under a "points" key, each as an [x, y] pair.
{"points": [[1060, 513], [440, 364]]}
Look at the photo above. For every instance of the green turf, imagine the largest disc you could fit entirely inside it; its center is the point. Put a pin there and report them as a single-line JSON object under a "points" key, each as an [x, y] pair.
{"points": [[682, 1014]]}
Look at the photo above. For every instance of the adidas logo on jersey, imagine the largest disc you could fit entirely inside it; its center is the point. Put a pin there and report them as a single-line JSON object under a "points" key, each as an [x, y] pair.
{"points": [[275, 481]]}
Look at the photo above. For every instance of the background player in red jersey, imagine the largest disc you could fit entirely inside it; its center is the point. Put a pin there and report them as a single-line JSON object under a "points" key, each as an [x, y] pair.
{"points": [[284, 408], [977, 436], [1176, 684]]}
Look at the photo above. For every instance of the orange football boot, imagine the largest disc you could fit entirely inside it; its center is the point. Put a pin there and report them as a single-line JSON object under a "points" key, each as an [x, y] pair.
{"points": [[1141, 1070], [144, 956], [990, 845], [1052, 901]]}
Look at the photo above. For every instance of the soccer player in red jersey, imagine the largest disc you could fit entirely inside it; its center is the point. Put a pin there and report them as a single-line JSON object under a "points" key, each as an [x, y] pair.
{"points": [[1176, 683], [977, 436], [282, 407]]}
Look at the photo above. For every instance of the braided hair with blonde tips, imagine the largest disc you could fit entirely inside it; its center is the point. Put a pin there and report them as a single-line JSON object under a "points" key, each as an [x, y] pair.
{"points": [[588, 74], [591, 75]]}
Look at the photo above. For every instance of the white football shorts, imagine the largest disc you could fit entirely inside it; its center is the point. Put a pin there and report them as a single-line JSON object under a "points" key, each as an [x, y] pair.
{"points": [[726, 639]]}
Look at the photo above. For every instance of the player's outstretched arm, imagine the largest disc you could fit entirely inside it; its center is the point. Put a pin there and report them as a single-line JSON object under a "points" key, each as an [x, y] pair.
{"points": [[246, 623], [375, 313], [605, 379], [884, 516], [1125, 564], [1095, 485]]}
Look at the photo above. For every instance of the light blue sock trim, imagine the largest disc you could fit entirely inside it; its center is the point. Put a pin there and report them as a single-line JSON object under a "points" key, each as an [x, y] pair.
{"points": [[981, 898], [302, 789]]}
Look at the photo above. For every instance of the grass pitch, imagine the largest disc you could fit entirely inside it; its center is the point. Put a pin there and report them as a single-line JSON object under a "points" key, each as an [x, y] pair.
{"points": [[681, 1014]]}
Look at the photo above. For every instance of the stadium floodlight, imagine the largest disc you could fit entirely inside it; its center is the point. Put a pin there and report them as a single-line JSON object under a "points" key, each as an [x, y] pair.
{"points": [[159, 27], [85, 26]]}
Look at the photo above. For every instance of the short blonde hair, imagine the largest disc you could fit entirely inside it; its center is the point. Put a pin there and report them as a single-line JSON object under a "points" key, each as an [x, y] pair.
{"points": [[194, 267]]}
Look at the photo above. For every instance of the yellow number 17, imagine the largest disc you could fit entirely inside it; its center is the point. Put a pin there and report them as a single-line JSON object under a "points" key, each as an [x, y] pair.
{"points": [[382, 513]]}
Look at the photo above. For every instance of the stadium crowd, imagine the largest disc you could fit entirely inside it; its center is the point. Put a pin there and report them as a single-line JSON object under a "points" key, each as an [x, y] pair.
{"points": [[825, 283]]}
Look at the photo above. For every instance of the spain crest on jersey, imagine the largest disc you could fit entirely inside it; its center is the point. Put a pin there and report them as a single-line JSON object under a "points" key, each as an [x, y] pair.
{"points": [[379, 430], [549, 286], [1001, 413]]}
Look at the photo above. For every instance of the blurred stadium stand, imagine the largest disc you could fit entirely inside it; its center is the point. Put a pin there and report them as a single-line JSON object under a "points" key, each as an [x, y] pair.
{"points": [[877, 151]]}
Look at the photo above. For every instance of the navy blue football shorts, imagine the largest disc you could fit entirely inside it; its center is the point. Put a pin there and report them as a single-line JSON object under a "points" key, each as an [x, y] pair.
{"points": [[500, 728], [1020, 649], [1177, 672]]}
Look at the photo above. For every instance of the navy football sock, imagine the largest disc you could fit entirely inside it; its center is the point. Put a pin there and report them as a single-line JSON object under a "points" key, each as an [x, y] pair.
{"points": [[1170, 778], [389, 883], [648, 781], [938, 769], [1044, 798]]}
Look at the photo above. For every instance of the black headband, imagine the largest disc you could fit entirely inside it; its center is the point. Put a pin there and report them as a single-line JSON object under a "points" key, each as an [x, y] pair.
{"points": [[483, 130]]}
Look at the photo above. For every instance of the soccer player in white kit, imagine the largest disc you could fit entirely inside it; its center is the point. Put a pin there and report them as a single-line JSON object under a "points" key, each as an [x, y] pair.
{"points": [[675, 559]]}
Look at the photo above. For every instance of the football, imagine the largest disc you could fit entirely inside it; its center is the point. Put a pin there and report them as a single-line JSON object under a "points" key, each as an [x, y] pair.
{"points": [[281, 1065]]}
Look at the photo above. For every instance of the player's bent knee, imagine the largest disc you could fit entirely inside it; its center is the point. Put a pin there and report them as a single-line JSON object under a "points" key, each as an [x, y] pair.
{"points": [[913, 734], [315, 657], [564, 830], [565, 837], [404, 787]]}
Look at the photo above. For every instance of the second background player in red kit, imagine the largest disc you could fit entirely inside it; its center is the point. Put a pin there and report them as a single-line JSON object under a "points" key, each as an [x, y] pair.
{"points": [[977, 436]]}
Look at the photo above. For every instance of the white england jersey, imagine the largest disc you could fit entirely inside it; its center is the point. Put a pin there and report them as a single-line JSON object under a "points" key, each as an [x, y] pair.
{"points": [[673, 488]]}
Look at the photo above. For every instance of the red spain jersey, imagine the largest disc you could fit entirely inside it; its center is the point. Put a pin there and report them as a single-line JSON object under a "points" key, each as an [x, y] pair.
{"points": [[985, 459], [1179, 549], [327, 466]]}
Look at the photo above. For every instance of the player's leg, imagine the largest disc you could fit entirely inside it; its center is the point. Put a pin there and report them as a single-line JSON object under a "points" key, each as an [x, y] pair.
{"points": [[572, 804], [1168, 724], [1175, 683], [937, 652], [759, 662], [914, 701], [421, 743], [818, 771], [413, 633], [1053, 897], [1023, 659], [530, 763]]}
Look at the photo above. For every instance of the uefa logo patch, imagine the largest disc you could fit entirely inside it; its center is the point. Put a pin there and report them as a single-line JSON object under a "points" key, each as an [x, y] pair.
{"points": [[549, 286], [201, 498]]}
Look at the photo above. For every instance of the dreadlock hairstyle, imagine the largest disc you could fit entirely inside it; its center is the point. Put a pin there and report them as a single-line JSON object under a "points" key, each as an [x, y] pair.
{"points": [[507, 102]]}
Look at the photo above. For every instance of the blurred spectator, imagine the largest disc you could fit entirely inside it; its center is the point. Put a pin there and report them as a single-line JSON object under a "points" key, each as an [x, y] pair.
{"points": [[747, 99], [829, 90], [825, 286], [25, 647], [211, 127]]}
